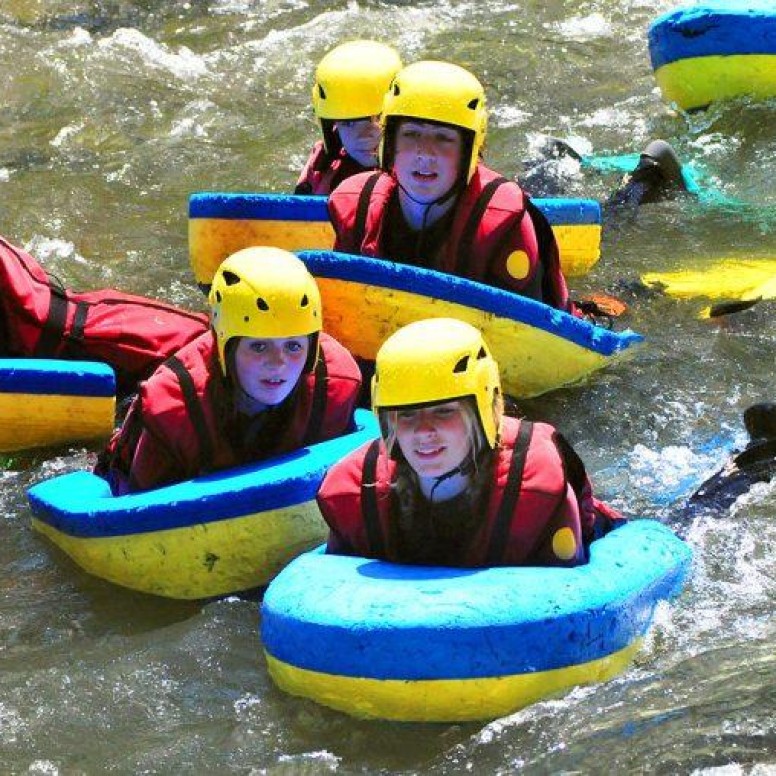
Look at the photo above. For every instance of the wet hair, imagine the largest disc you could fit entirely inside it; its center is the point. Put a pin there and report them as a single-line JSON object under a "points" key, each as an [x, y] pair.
{"points": [[760, 420]]}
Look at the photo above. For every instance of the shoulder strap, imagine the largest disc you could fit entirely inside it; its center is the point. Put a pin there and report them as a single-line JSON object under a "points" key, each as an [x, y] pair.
{"points": [[369, 510], [572, 463], [53, 331], [472, 224], [4, 346], [79, 321], [547, 245], [511, 495], [193, 407], [320, 396], [359, 227]]}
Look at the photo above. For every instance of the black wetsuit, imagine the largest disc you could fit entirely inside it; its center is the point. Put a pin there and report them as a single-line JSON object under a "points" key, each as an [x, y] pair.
{"points": [[756, 463]]}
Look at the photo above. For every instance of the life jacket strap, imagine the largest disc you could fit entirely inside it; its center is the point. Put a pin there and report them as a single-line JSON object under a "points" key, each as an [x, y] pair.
{"points": [[53, 330], [369, 510], [193, 407], [473, 223], [362, 209], [548, 252], [506, 510], [320, 397]]}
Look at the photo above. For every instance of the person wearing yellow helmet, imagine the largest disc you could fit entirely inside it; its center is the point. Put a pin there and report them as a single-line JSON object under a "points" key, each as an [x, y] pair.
{"points": [[350, 82], [453, 481], [435, 204], [263, 380]]}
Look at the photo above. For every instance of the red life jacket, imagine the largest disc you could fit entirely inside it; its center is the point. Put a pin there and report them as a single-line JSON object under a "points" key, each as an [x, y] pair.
{"points": [[179, 408], [42, 319], [322, 173], [530, 499], [485, 218]]}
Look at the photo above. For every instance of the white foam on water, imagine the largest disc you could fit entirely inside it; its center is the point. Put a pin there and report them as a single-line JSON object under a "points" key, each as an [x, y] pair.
{"points": [[78, 38], [64, 134], [184, 64], [121, 175], [320, 759], [732, 583], [509, 116], [617, 116], [43, 768], [669, 472], [713, 144], [187, 127], [581, 28], [47, 248]]}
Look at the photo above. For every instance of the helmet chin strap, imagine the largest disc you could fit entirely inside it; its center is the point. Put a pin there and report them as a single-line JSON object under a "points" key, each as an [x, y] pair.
{"points": [[428, 205], [465, 468], [246, 402], [439, 201]]}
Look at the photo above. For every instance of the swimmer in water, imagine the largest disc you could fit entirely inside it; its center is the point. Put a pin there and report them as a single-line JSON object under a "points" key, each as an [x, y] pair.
{"points": [[657, 176], [756, 463]]}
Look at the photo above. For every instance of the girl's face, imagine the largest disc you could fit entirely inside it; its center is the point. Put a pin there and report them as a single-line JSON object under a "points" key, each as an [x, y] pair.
{"points": [[427, 159], [360, 139], [435, 439], [269, 369]]}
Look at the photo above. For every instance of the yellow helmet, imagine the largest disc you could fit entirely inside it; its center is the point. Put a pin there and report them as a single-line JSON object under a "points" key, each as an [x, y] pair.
{"points": [[437, 360], [440, 92], [264, 292], [350, 83]]}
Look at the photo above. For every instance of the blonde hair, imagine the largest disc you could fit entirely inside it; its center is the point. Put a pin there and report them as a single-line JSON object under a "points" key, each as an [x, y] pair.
{"points": [[406, 485], [478, 442]]}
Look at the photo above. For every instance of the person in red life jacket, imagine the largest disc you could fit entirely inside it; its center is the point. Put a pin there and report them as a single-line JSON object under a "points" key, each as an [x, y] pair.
{"points": [[453, 481], [264, 380], [350, 82], [40, 318], [435, 204]]}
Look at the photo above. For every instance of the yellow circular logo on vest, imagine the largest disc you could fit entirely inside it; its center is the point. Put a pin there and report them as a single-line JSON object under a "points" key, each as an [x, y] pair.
{"points": [[518, 265], [564, 545]]}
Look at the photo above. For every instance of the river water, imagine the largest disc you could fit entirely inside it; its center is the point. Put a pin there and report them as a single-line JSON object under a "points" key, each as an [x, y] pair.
{"points": [[114, 111]]}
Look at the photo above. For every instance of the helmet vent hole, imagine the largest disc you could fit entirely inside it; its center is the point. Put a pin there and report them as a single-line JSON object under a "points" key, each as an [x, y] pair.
{"points": [[396, 90], [462, 365], [262, 305], [230, 278], [482, 354], [473, 103], [321, 93], [218, 297], [305, 301]]}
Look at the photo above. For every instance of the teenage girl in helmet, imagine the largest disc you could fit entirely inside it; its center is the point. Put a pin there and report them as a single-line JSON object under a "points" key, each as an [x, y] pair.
{"points": [[350, 83], [263, 380], [435, 204], [453, 481]]}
